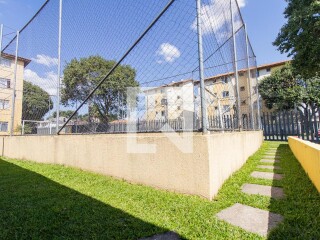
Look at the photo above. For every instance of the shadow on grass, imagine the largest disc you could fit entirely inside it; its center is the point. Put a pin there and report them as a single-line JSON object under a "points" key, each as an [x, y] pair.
{"points": [[301, 206], [34, 207]]}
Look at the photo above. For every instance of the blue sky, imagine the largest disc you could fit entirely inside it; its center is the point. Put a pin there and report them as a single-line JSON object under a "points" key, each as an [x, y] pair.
{"points": [[263, 17]]}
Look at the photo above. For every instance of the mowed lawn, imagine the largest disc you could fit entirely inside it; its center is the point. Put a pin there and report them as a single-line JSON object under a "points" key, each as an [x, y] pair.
{"points": [[39, 201]]}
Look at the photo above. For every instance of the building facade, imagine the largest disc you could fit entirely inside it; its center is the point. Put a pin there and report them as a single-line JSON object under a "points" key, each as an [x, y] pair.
{"points": [[174, 100], [7, 76]]}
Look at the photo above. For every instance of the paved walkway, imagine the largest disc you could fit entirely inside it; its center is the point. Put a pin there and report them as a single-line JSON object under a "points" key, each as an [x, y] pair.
{"points": [[252, 219]]}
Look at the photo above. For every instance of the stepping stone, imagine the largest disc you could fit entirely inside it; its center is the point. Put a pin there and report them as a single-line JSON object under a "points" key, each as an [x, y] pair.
{"points": [[163, 236], [269, 161], [267, 175], [274, 192], [272, 157], [250, 219], [270, 167]]}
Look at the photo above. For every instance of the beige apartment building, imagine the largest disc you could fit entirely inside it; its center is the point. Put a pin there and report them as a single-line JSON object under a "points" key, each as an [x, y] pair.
{"points": [[171, 101], [7, 68]]}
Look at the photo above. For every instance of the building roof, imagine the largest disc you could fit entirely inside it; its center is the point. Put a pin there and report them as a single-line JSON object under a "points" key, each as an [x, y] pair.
{"points": [[260, 67], [172, 84], [10, 56], [275, 64]]}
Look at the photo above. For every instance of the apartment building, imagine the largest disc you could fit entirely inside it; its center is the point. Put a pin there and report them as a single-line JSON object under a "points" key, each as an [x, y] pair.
{"points": [[7, 68], [170, 101], [174, 100]]}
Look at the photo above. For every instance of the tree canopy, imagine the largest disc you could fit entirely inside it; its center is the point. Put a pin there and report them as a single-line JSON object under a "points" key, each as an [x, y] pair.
{"points": [[81, 76], [35, 103], [283, 90], [300, 36]]}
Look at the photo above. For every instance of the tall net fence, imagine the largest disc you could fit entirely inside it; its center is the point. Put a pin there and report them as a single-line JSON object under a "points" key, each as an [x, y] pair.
{"points": [[147, 66]]}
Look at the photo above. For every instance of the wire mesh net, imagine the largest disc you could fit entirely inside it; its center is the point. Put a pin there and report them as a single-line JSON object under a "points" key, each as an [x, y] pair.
{"points": [[135, 68]]}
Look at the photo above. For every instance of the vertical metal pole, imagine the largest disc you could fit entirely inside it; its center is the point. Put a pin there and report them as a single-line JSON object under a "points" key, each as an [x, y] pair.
{"points": [[23, 124], [249, 79], [220, 114], [14, 86], [59, 66], [258, 96], [235, 66], [201, 70], [1, 37]]}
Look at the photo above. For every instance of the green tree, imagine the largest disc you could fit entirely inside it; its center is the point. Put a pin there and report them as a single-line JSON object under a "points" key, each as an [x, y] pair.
{"points": [[80, 78], [282, 90], [300, 36], [36, 102], [65, 114]]}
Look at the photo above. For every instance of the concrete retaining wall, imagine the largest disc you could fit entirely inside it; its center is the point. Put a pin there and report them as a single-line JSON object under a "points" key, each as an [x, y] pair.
{"points": [[308, 154], [201, 171]]}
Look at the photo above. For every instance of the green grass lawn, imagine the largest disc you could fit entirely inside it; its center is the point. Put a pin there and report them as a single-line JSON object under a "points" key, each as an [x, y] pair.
{"points": [[39, 201]]}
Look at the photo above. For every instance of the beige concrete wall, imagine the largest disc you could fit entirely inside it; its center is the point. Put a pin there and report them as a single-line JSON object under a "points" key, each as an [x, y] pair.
{"points": [[227, 154], [201, 172]]}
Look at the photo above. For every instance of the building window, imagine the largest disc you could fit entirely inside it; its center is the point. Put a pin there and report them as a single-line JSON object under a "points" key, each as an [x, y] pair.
{"points": [[255, 90], [4, 104], [3, 126], [225, 94], [242, 89], [225, 79], [5, 62], [178, 97], [226, 108], [178, 108], [215, 108], [244, 102], [163, 113], [268, 69], [241, 74], [4, 83], [164, 101]]}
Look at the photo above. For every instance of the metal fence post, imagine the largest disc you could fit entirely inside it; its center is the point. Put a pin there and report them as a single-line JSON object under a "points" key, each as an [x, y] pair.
{"points": [[14, 85], [258, 96], [201, 70], [59, 66], [249, 78], [1, 37], [23, 125], [235, 67]]}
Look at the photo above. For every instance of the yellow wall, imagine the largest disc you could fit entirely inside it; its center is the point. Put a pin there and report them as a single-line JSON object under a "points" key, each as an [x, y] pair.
{"points": [[308, 155]]}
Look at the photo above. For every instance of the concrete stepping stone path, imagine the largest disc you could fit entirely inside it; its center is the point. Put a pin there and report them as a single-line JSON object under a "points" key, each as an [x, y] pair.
{"points": [[268, 191], [251, 219], [269, 167], [164, 236], [267, 175], [269, 161]]}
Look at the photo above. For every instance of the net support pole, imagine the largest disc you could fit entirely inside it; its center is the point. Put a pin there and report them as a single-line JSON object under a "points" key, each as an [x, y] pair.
{"points": [[258, 97], [249, 79], [201, 71], [59, 66], [235, 68], [1, 37], [13, 101]]}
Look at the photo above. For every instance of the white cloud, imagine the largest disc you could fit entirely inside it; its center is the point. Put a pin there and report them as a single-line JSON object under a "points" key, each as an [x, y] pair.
{"points": [[47, 82], [216, 18], [168, 52], [45, 60]]}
